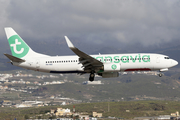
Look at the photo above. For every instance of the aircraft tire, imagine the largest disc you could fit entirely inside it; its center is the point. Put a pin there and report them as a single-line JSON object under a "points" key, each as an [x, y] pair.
{"points": [[91, 77], [160, 74]]}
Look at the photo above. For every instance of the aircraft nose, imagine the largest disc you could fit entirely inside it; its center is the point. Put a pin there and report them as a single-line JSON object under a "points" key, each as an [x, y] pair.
{"points": [[174, 62]]}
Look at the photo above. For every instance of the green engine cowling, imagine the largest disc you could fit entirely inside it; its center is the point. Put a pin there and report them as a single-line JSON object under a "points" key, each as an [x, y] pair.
{"points": [[110, 70], [111, 67]]}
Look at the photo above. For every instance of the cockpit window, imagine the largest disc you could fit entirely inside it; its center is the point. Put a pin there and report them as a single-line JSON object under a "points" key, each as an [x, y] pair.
{"points": [[166, 57]]}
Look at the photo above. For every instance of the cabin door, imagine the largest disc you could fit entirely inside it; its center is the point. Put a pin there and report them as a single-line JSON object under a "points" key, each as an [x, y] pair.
{"points": [[158, 59], [37, 64]]}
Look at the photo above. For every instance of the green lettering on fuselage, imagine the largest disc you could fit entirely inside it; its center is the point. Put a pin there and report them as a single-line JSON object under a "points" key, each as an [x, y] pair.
{"points": [[146, 58], [100, 58], [133, 59], [116, 59], [139, 58], [110, 58], [124, 59]]}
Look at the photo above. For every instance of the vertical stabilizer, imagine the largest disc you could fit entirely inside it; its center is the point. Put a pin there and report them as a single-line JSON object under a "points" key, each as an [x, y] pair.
{"points": [[18, 47]]}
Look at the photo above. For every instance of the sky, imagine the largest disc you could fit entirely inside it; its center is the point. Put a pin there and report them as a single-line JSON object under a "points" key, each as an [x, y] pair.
{"points": [[143, 22]]}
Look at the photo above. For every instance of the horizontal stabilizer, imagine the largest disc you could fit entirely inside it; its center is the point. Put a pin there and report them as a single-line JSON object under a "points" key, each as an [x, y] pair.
{"points": [[14, 59]]}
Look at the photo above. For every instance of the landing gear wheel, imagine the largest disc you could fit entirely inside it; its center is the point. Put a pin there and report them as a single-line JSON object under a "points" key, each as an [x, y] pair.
{"points": [[91, 77], [160, 74]]}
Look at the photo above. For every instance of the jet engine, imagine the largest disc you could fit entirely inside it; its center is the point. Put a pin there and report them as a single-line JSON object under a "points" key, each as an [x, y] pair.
{"points": [[109, 74], [110, 70]]}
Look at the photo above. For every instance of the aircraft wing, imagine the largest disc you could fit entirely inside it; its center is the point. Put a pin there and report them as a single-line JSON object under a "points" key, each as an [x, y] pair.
{"points": [[87, 61]]}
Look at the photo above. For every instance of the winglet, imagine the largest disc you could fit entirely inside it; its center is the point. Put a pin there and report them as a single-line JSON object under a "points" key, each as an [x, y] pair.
{"points": [[70, 45]]}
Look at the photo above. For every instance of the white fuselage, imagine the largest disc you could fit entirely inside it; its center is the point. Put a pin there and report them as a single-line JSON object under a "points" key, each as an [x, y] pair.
{"points": [[127, 62], [107, 65]]}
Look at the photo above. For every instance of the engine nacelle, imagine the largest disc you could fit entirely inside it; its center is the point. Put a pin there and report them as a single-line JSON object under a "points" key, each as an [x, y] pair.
{"points": [[111, 67], [110, 74]]}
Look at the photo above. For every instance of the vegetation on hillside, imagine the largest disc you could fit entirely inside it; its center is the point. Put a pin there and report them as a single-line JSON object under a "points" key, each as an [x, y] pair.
{"points": [[113, 109]]}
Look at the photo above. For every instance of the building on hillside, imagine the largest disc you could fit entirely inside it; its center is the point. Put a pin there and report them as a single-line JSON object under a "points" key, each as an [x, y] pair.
{"points": [[163, 117], [52, 111], [63, 112], [144, 118], [5, 87], [30, 104], [176, 114], [84, 117], [6, 103], [23, 105], [95, 114], [160, 117], [92, 118], [63, 103]]}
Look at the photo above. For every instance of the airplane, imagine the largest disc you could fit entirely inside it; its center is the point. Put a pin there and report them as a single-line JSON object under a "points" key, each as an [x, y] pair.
{"points": [[106, 65]]}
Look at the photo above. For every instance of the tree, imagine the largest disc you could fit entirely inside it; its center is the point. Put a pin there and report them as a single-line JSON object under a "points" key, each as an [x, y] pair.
{"points": [[52, 117], [26, 117], [39, 117]]}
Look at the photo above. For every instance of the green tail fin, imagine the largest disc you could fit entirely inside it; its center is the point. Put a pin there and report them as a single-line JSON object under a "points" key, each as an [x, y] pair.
{"points": [[17, 45]]}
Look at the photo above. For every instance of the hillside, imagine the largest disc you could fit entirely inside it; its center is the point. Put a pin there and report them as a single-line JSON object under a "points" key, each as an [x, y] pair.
{"points": [[115, 109], [125, 87]]}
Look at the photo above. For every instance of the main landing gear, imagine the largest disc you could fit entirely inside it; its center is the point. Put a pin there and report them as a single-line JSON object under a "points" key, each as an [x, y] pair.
{"points": [[160, 74], [91, 76]]}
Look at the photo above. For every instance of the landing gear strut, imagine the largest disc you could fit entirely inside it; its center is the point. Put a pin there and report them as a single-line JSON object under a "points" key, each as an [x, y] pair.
{"points": [[91, 77]]}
